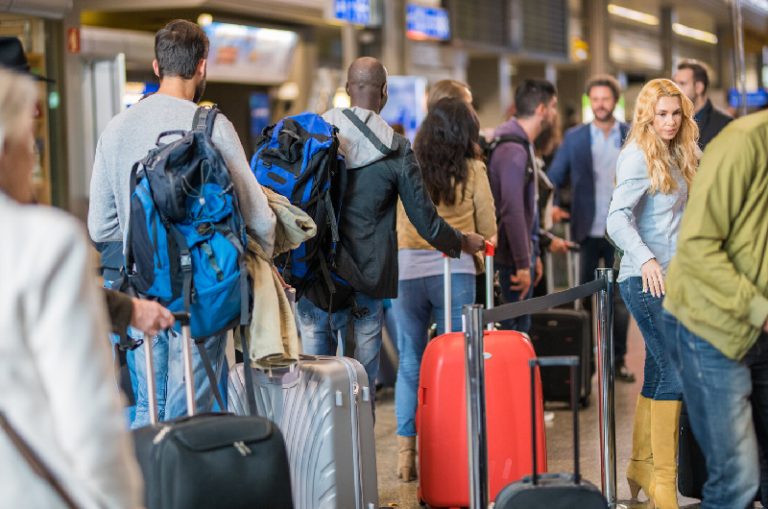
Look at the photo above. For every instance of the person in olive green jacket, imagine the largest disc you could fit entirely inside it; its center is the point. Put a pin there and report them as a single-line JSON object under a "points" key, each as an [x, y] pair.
{"points": [[716, 315]]}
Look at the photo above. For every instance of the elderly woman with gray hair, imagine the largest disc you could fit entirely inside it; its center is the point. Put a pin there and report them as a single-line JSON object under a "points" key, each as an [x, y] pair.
{"points": [[60, 409]]}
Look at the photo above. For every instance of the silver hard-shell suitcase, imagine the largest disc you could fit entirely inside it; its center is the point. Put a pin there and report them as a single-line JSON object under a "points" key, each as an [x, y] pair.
{"points": [[322, 405]]}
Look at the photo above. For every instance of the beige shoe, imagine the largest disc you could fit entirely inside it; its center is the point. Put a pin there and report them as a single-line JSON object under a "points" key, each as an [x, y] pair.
{"points": [[406, 460], [665, 422]]}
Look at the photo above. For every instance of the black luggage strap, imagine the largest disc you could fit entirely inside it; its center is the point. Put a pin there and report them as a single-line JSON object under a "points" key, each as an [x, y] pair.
{"points": [[367, 132], [36, 463], [208, 365]]}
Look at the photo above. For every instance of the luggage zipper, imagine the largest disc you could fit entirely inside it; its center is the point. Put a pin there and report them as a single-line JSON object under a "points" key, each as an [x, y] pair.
{"points": [[243, 449], [161, 435]]}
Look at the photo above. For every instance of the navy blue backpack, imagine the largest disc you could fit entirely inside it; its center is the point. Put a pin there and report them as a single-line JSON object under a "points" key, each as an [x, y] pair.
{"points": [[186, 237], [298, 157]]}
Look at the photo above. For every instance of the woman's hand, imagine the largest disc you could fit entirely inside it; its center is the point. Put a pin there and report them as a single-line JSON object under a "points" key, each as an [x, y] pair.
{"points": [[653, 278]]}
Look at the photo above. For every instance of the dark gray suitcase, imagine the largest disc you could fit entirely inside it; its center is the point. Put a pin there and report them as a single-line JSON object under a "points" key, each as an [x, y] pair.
{"points": [[323, 407], [554, 491], [210, 460], [557, 332]]}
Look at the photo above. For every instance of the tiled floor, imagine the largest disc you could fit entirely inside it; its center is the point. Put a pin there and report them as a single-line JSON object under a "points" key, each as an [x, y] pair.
{"points": [[393, 493]]}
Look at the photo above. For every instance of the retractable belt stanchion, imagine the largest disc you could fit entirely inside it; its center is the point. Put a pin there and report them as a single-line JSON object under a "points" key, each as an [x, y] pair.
{"points": [[605, 383], [476, 426], [602, 290]]}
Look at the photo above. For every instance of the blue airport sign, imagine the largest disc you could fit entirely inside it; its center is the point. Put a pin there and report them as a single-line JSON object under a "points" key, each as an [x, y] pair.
{"points": [[427, 23], [353, 11], [756, 99]]}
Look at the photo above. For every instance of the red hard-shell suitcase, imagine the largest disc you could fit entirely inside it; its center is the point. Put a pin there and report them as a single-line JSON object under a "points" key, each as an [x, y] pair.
{"points": [[441, 422]]}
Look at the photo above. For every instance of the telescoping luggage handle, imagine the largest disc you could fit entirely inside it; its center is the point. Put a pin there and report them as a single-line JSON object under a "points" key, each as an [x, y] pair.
{"points": [[571, 361], [490, 251], [189, 380]]}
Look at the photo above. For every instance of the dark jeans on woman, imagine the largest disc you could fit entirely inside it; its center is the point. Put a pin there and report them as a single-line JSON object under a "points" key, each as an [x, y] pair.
{"points": [[660, 380], [727, 402]]}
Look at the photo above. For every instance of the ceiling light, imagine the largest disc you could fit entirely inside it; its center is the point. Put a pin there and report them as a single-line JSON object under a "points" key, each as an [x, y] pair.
{"points": [[204, 19], [694, 33], [631, 14]]}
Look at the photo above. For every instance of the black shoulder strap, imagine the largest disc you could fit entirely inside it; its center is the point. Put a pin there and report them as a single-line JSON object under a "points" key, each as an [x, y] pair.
{"points": [[367, 132], [513, 138], [204, 118], [509, 138]]}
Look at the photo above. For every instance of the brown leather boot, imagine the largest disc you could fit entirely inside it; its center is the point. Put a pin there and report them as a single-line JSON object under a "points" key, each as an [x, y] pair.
{"points": [[406, 460], [640, 468], [665, 422]]}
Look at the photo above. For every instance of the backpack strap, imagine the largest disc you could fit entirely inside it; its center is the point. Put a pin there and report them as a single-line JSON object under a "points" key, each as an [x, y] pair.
{"points": [[370, 135], [204, 118], [185, 259], [513, 138]]}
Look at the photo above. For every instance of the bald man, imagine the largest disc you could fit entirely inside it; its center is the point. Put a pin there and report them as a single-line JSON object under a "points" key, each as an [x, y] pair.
{"points": [[381, 169]]}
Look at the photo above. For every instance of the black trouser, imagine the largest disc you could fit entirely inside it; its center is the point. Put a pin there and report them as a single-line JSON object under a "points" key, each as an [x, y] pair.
{"points": [[593, 249]]}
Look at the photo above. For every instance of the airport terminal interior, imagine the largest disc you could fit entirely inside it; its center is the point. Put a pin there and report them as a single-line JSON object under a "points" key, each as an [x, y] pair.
{"points": [[409, 77]]}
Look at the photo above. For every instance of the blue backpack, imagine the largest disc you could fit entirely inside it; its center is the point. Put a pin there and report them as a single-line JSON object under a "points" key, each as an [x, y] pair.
{"points": [[298, 157], [186, 237]]}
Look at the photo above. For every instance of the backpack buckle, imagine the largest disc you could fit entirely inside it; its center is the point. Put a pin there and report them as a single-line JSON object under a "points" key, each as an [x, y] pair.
{"points": [[186, 262]]}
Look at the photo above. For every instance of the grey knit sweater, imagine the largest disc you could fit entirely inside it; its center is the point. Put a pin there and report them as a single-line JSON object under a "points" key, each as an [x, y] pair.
{"points": [[131, 134]]}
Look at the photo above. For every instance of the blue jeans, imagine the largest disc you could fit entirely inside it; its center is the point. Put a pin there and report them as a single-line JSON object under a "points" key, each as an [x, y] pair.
{"points": [[727, 403], [418, 301], [521, 323], [660, 380], [169, 376], [320, 331]]}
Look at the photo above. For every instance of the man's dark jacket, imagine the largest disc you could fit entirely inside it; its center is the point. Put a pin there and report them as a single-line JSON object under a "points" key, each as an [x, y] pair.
{"points": [[381, 167], [573, 163], [711, 121]]}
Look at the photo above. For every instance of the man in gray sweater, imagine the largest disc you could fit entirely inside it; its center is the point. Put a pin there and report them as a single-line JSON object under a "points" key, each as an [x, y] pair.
{"points": [[181, 51]]}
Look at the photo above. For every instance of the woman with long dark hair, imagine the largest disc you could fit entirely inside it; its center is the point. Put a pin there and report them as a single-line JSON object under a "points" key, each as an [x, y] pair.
{"points": [[448, 154]]}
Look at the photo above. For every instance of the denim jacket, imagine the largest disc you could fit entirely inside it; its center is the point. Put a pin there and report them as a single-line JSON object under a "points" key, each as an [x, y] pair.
{"points": [[643, 224]]}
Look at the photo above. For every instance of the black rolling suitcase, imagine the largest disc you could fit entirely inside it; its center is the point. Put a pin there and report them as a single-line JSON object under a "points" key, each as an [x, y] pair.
{"points": [[691, 466], [553, 491], [210, 460], [557, 332]]}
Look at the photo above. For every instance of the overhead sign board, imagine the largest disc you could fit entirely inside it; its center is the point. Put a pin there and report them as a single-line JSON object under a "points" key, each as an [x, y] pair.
{"points": [[427, 23], [756, 99], [353, 11], [246, 54]]}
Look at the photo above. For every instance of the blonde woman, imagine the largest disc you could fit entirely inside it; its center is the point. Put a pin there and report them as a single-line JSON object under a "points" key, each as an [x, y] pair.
{"points": [[653, 173], [56, 376]]}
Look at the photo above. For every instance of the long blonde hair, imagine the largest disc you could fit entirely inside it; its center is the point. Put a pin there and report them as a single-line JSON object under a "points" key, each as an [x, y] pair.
{"points": [[682, 152]]}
